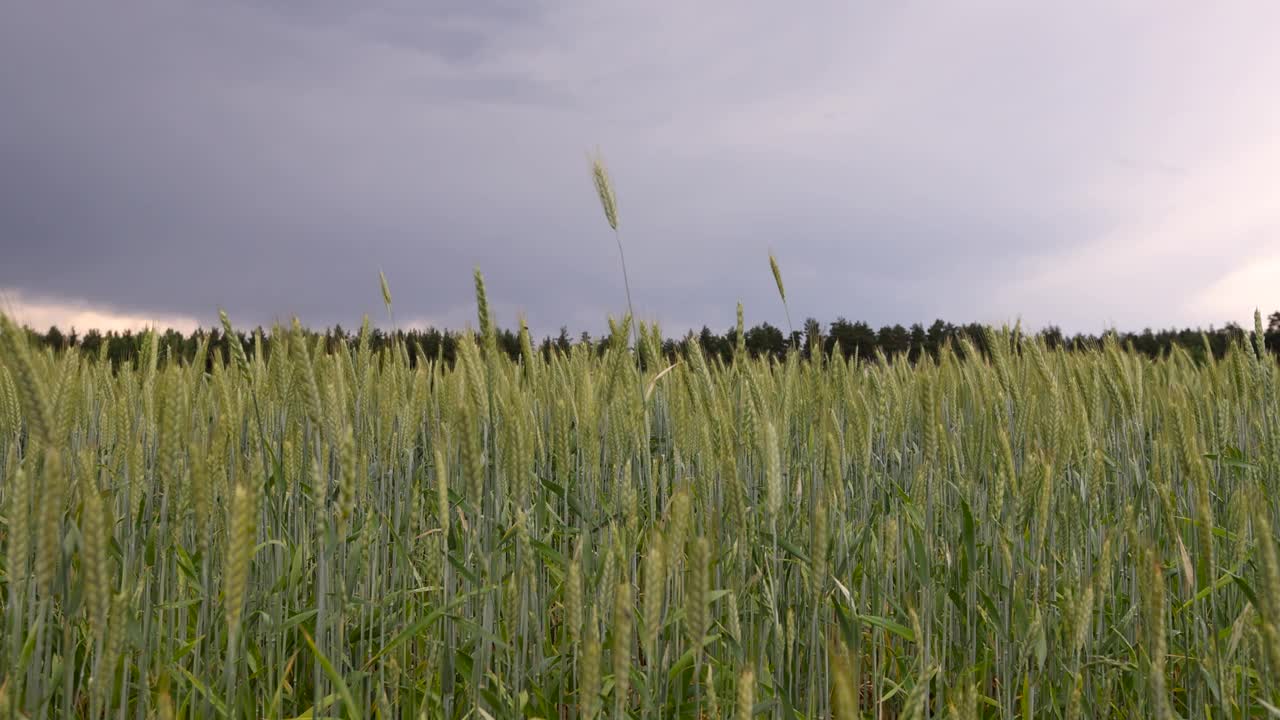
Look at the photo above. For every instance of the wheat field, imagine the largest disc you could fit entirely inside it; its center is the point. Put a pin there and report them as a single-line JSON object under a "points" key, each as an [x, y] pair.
{"points": [[615, 533]]}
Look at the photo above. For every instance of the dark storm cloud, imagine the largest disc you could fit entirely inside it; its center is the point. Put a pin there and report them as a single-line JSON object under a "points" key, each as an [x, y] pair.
{"points": [[1081, 165]]}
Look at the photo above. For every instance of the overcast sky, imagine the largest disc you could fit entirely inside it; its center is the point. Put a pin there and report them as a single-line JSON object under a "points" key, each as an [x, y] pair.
{"points": [[1085, 164]]}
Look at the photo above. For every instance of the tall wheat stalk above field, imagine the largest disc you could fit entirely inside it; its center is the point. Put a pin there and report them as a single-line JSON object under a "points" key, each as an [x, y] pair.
{"points": [[386, 298], [782, 291], [609, 203]]}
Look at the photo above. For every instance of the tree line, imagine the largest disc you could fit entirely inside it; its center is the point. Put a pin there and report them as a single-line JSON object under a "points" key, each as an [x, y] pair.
{"points": [[847, 338]]}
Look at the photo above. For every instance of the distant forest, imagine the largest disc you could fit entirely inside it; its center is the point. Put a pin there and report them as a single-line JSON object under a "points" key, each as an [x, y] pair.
{"points": [[850, 338]]}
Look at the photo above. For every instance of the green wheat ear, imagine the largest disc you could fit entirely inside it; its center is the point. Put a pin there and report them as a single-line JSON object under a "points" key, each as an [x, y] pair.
{"points": [[482, 304], [386, 290], [782, 291], [1259, 335], [777, 276], [604, 189], [746, 694]]}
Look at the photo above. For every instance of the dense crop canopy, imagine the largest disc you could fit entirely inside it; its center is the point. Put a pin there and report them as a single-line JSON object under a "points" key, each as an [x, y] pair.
{"points": [[299, 530]]}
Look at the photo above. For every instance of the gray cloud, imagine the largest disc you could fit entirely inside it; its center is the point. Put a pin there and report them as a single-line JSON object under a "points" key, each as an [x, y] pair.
{"points": [[1078, 165]]}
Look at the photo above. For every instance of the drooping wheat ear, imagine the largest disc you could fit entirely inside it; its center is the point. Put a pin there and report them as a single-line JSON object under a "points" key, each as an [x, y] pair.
{"points": [[609, 202], [746, 694], [244, 516], [622, 609], [782, 292], [590, 670]]}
